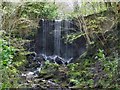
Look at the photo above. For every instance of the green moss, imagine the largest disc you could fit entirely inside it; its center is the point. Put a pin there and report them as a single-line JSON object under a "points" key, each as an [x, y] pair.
{"points": [[19, 59], [84, 73]]}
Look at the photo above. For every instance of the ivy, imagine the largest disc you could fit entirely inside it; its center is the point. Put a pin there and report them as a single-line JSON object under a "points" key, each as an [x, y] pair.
{"points": [[6, 53]]}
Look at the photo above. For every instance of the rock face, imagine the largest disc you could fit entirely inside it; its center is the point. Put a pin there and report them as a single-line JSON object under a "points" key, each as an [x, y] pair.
{"points": [[51, 40]]}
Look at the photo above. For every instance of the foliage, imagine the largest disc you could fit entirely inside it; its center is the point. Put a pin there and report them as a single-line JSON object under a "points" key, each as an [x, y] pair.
{"points": [[20, 23], [48, 67], [8, 73], [94, 24], [41, 10], [6, 60], [73, 36], [92, 18], [7, 53], [88, 8], [24, 17], [98, 72], [9, 78]]}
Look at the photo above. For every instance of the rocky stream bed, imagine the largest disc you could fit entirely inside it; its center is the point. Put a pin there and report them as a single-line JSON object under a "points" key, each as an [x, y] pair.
{"points": [[45, 75]]}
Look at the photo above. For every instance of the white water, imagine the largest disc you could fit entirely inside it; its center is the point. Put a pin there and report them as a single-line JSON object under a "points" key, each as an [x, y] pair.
{"points": [[62, 51], [57, 37]]}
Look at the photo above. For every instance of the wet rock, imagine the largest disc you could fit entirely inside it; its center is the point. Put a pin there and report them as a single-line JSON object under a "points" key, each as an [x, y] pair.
{"points": [[59, 60], [56, 59]]}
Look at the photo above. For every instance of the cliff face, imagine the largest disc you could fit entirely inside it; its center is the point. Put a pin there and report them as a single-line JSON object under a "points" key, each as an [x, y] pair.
{"points": [[51, 39], [101, 30]]}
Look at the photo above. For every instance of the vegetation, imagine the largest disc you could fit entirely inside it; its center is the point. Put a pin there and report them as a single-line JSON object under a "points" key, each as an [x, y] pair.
{"points": [[98, 67], [100, 72]]}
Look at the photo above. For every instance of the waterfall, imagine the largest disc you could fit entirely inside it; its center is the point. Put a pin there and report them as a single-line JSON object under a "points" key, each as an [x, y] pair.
{"points": [[67, 49], [44, 27], [57, 44], [57, 37], [50, 43]]}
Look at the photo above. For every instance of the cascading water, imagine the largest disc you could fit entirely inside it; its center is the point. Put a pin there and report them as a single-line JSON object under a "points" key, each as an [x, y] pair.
{"points": [[57, 34], [51, 45], [57, 37]]}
